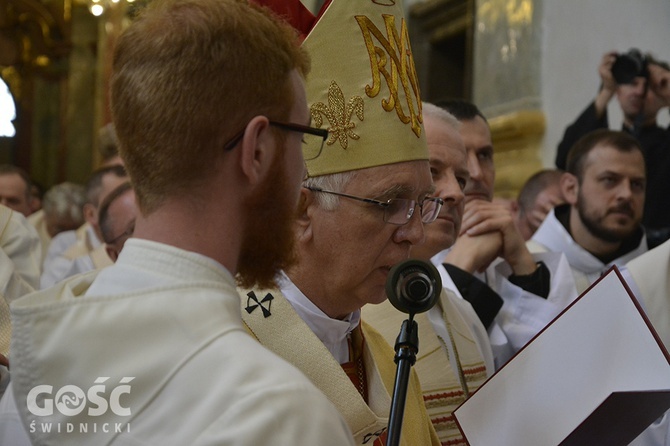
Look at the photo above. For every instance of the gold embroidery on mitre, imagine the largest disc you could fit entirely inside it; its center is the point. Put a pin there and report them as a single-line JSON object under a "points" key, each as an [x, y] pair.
{"points": [[401, 66], [338, 113]]}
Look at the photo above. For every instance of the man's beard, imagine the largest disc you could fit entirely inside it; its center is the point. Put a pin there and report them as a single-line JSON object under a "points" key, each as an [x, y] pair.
{"points": [[268, 239], [595, 227]]}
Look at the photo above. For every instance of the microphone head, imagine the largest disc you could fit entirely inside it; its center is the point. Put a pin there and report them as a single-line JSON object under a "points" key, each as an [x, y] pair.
{"points": [[413, 286]]}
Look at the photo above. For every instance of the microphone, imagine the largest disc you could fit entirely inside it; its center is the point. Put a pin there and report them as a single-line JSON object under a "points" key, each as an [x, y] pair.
{"points": [[413, 286]]}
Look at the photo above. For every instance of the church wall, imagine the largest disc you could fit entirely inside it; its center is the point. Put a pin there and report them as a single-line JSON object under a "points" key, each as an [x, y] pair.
{"points": [[575, 35], [536, 68]]}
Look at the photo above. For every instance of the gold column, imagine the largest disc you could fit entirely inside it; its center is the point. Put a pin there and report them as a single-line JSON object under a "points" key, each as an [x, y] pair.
{"points": [[517, 142], [110, 26]]}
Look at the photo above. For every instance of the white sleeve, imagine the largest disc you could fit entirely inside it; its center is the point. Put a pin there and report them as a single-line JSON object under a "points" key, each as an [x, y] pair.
{"points": [[658, 434], [524, 314]]}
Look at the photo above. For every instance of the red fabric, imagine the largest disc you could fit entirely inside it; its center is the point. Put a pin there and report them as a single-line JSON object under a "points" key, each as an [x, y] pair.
{"points": [[294, 12]]}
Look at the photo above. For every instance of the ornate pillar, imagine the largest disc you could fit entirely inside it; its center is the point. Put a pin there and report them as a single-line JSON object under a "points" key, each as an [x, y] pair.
{"points": [[507, 86]]}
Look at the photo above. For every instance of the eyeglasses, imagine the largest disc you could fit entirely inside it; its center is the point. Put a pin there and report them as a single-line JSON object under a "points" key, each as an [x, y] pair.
{"points": [[397, 211], [125, 235], [312, 138]]}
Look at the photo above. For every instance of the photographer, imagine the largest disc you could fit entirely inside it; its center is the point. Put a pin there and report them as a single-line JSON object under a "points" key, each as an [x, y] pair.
{"points": [[640, 106]]}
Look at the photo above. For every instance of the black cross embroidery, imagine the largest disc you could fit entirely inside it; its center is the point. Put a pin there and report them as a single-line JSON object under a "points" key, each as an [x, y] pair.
{"points": [[251, 296], [373, 435]]}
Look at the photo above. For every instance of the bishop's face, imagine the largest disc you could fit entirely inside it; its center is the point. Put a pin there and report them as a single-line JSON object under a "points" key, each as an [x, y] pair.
{"points": [[345, 254]]}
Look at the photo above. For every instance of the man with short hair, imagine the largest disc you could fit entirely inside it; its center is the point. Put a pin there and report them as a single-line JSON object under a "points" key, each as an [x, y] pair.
{"points": [[539, 195], [86, 240], [15, 189], [514, 292], [63, 207], [605, 187], [364, 204], [454, 357], [156, 339], [62, 211], [640, 106], [117, 216], [600, 225]]}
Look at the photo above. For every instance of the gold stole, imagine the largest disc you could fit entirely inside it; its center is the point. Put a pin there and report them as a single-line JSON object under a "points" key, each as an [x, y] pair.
{"points": [[442, 386], [355, 367], [82, 246], [286, 334], [5, 319]]}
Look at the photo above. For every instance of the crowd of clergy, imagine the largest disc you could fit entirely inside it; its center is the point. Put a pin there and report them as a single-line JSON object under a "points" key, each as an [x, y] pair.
{"points": [[221, 277]]}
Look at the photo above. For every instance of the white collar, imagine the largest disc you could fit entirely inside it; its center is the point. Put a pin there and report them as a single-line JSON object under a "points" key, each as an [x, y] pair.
{"points": [[145, 264], [332, 332]]}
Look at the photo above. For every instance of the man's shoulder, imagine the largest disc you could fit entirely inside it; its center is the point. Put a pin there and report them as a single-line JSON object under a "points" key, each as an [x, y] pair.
{"points": [[65, 237], [60, 243], [250, 390], [551, 235], [54, 296], [659, 255], [287, 410]]}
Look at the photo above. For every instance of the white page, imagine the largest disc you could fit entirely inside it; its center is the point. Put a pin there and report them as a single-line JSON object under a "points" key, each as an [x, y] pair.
{"points": [[599, 345]]}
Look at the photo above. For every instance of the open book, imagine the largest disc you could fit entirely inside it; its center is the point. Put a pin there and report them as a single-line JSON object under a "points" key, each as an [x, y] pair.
{"points": [[596, 375]]}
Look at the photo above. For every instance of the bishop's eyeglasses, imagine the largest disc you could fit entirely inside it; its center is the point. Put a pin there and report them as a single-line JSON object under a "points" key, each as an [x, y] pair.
{"points": [[313, 139], [397, 211]]}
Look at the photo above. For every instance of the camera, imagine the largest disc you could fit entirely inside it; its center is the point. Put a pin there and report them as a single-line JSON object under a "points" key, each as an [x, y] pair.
{"points": [[630, 65]]}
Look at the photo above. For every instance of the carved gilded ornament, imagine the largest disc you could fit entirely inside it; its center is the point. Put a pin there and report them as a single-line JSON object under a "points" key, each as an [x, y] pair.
{"points": [[339, 114], [393, 61], [513, 13]]}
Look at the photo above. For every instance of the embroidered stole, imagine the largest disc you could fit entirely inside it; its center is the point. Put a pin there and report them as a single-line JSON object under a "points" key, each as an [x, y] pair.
{"points": [[355, 368], [82, 246], [444, 389], [281, 330]]}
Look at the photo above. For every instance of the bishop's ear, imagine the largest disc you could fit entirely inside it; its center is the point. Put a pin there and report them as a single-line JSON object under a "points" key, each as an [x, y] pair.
{"points": [[305, 213]]}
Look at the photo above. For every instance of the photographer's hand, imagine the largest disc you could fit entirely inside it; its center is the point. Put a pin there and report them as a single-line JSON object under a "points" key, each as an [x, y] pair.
{"points": [[659, 82], [608, 84]]}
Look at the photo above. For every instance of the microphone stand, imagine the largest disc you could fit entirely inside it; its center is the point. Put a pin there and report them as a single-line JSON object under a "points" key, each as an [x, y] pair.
{"points": [[413, 286], [406, 348]]}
